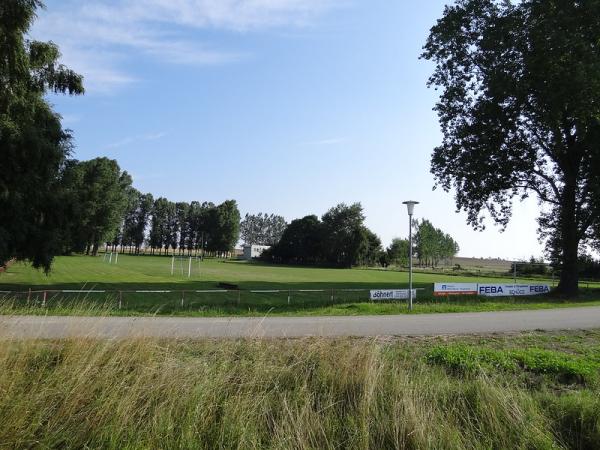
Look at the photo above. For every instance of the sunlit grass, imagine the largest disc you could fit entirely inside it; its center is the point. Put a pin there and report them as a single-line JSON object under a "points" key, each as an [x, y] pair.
{"points": [[308, 393], [343, 291]]}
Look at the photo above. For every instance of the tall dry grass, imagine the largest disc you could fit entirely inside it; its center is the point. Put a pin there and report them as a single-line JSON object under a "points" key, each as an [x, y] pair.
{"points": [[257, 394]]}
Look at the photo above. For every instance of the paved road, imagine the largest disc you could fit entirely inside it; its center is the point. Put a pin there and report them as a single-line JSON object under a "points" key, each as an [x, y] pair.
{"points": [[21, 327]]}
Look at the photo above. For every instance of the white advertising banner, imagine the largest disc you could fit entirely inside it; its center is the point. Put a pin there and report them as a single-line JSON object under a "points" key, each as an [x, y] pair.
{"points": [[444, 289], [392, 294], [512, 290]]}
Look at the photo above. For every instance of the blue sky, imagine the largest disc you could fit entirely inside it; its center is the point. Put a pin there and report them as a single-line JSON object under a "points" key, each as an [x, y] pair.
{"points": [[287, 106]]}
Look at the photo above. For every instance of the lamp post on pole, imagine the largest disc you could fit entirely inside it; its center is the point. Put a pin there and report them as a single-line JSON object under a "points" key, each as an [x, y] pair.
{"points": [[410, 205]]}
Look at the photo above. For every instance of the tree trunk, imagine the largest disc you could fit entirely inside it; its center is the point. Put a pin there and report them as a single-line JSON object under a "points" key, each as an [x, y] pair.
{"points": [[569, 243]]}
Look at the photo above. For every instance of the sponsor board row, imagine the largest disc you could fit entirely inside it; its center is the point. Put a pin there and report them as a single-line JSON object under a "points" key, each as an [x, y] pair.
{"points": [[490, 290]]}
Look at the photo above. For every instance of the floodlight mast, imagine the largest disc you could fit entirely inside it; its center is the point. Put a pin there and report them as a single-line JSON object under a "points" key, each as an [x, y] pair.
{"points": [[410, 206]]}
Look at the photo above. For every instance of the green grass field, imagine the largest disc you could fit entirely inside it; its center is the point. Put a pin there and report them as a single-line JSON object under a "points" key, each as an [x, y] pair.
{"points": [[344, 291], [527, 391]]}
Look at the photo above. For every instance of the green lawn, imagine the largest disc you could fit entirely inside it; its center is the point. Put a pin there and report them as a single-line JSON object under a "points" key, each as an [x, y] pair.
{"points": [[344, 291]]}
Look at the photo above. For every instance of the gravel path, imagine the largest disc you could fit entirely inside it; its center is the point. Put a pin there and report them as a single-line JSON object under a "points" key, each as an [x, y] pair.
{"points": [[23, 327]]}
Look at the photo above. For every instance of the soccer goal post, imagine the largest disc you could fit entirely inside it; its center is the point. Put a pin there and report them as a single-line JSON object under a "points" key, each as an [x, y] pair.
{"points": [[182, 261]]}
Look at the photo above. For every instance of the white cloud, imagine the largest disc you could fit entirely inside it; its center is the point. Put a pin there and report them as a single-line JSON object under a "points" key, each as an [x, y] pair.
{"points": [[70, 119], [131, 139], [96, 36], [222, 14]]}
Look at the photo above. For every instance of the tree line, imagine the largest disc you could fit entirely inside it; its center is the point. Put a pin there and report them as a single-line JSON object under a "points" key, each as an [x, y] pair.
{"points": [[341, 239], [106, 209], [430, 246]]}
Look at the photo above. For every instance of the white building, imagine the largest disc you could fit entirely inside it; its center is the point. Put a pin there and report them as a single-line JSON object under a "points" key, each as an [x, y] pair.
{"points": [[254, 251]]}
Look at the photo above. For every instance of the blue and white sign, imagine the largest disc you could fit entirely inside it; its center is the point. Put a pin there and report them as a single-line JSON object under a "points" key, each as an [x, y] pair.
{"points": [[512, 290], [392, 294], [445, 289]]}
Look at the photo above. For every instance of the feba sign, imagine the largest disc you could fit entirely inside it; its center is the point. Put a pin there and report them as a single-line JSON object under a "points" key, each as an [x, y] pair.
{"points": [[392, 294], [444, 289], [512, 290]]}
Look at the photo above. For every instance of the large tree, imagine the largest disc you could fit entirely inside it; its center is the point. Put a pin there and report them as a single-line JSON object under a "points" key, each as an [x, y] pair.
{"points": [[99, 191], [300, 243], [142, 216], [398, 252], [158, 234], [262, 229], [520, 115], [33, 144], [223, 227], [344, 234]]}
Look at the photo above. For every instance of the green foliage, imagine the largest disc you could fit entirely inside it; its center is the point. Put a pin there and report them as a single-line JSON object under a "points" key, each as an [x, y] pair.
{"points": [[300, 242], [159, 224], [98, 194], [398, 252], [432, 244], [589, 267], [194, 226], [339, 239], [532, 267], [465, 359], [262, 229], [223, 227], [344, 239], [33, 145], [519, 110]]}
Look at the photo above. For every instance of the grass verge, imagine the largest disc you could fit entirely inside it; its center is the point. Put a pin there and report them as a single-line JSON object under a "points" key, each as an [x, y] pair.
{"points": [[536, 390], [273, 306]]}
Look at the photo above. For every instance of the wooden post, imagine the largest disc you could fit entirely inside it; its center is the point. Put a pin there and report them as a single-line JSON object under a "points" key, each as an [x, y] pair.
{"points": [[289, 297], [44, 299], [182, 297], [120, 299]]}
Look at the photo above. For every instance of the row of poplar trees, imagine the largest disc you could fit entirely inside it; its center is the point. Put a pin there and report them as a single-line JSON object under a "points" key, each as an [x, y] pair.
{"points": [[181, 227], [430, 246], [105, 209]]}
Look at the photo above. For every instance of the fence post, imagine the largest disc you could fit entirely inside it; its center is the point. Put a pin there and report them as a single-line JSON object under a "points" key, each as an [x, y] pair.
{"points": [[332, 296], [28, 296], [239, 297], [289, 297], [182, 297], [120, 299], [44, 300]]}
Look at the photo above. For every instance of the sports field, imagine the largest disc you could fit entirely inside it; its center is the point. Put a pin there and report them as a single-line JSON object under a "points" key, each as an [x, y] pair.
{"points": [[250, 289]]}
